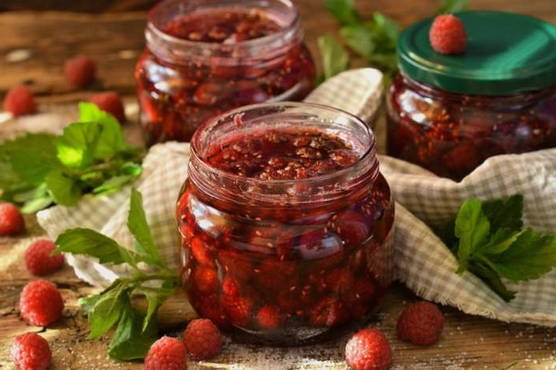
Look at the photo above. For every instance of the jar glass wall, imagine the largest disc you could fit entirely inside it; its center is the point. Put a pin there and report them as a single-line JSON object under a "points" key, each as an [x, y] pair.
{"points": [[285, 222], [205, 57], [451, 134]]}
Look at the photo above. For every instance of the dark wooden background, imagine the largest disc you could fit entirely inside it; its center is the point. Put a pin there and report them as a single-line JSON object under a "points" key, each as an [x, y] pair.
{"points": [[47, 32]]}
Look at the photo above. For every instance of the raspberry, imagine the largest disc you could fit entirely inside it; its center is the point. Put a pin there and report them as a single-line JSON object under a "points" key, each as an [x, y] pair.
{"points": [[40, 303], [11, 220], [19, 101], [110, 102], [39, 259], [447, 35], [206, 279], [80, 70], [421, 323], [268, 317], [167, 353], [239, 309], [329, 312], [30, 351], [368, 349], [352, 227], [202, 339]]}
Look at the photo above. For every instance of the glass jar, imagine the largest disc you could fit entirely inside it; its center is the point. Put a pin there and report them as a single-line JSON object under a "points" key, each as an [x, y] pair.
{"points": [[448, 113], [286, 256], [204, 57]]}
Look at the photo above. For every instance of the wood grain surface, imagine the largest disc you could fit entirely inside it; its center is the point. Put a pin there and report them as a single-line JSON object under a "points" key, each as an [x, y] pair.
{"points": [[33, 47]]}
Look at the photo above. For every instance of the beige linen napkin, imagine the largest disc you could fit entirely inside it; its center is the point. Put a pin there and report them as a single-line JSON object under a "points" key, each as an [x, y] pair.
{"points": [[423, 262]]}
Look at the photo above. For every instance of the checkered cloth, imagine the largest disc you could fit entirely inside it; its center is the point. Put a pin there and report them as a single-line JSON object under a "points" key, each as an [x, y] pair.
{"points": [[423, 262]]}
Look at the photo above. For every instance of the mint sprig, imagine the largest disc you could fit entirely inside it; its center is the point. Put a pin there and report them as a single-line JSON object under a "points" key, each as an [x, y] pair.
{"points": [[488, 239], [90, 156], [374, 39], [135, 330]]}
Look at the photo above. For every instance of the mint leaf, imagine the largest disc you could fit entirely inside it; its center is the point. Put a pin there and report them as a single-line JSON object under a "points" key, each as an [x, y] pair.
{"points": [[113, 184], [500, 241], [138, 226], [92, 243], [359, 38], [111, 140], [387, 31], [452, 6], [491, 278], [130, 342], [77, 146], [64, 190], [343, 10], [505, 213], [471, 228], [532, 255], [106, 311], [334, 58]]}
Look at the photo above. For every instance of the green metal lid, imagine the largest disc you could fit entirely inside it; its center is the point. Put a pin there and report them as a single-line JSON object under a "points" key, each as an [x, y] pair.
{"points": [[506, 53]]}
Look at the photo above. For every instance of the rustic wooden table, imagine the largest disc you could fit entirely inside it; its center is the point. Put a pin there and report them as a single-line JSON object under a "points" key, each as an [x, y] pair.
{"points": [[115, 40]]}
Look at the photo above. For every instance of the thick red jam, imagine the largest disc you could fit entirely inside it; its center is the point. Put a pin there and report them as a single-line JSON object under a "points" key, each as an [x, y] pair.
{"points": [[206, 57], [285, 228], [452, 134]]}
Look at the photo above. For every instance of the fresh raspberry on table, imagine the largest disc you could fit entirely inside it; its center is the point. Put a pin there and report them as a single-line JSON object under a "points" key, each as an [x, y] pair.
{"points": [[110, 102], [40, 303], [80, 70], [11, 220], [447, 35], [30, 351], [202, 339], [167, 353], [421, 323], [368, 349], [268, 317], [39, 259], [19, 101]]}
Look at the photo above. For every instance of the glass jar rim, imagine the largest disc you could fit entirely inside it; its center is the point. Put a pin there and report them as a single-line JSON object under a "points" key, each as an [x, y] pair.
{"points": [[289, 32], [366, 165]]}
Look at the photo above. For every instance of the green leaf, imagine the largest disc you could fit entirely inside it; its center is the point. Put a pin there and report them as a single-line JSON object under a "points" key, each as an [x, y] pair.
{"points": [[87, 303], [26, 160], [92, 243], [359, 38], [388, 30], [130, 342], [113, 184], [343, 10], [500, 241], [64, 190], [532, 255], [106, 311], [472, 228], [111, 140], [452, 6], [77, 146], [139, 228], [334, 58], [491, 279], [505, 213]]}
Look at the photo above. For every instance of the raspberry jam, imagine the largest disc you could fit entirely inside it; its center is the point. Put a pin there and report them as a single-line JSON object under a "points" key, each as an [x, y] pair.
{"points": [[452, 134], [206, 57], [285, 222], [449, 113]]}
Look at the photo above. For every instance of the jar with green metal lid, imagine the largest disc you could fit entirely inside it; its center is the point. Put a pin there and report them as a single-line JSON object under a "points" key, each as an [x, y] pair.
{"points": [[448, 113]]}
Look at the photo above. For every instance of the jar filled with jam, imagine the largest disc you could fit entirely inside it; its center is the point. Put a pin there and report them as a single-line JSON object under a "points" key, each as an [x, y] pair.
{"points": [[448, 113], [204, 57], [285, 222]]}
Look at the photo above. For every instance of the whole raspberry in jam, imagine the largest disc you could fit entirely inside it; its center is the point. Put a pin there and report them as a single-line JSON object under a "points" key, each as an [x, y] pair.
{"points": [[30, 351], [80, 70], [110, 102], [369, 349], [39, 259], [20, 101], [11, 220], [40, 303], [421, 323], [447, 35], [268, 317], [202, 339], [166, 353]]}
